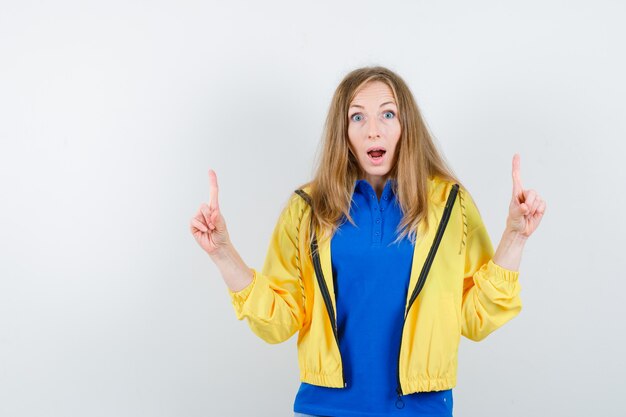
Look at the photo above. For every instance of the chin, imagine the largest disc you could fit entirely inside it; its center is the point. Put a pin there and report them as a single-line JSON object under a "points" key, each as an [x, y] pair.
{"points": [[378, 171]]}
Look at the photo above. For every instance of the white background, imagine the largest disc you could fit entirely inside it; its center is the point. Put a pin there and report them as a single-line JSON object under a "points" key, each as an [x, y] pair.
{"points": [[111, 114]]}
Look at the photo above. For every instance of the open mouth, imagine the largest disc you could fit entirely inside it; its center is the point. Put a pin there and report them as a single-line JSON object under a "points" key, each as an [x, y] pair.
{"points": [[376, 154]]}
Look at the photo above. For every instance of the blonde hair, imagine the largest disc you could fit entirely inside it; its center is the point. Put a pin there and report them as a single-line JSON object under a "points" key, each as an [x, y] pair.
{"points": [[417, 158]]}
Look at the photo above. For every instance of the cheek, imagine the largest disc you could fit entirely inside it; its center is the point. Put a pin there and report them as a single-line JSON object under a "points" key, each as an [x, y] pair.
{"points": [[353, 139], [394, 138], [352, 132], [391, 128], [395, 128]]}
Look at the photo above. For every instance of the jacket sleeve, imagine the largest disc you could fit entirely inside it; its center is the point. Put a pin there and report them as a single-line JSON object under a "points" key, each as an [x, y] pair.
{"points": [[490, 292], [273, 301]]}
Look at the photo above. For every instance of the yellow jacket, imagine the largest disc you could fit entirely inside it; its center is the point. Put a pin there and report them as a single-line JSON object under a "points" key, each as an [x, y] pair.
{"points": [[465, 293]]}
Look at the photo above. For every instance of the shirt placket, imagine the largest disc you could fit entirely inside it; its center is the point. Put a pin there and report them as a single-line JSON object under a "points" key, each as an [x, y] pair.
{"points": [[378, 210]]}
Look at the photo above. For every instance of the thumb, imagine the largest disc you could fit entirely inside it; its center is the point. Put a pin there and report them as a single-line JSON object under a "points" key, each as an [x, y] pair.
{"points": [[518, 209], [216, 220]]}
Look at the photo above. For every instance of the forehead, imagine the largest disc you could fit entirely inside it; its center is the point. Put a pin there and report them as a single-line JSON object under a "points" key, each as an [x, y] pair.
{"points": [[374, 91]]}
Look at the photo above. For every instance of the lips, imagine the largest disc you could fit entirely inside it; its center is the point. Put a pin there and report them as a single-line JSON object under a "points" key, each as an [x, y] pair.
{"points": [[376, 155], [376, 152], [375, 148]]}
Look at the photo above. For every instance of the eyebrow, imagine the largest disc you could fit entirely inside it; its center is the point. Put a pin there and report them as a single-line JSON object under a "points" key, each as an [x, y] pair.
{"points": [[384, 104]]}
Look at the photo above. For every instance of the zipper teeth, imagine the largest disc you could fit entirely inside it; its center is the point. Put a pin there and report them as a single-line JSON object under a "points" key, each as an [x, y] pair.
{"points": [[432, 252], [422, 279], [322, 283], [325, 294], [426, 268]]}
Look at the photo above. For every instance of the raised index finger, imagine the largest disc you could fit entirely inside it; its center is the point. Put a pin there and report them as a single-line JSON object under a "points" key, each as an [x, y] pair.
{"points": [[213, 190], [517, 181]]}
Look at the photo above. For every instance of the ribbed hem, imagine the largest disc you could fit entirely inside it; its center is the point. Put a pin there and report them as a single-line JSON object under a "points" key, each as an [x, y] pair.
{"points": [[347, 413], [409, 386], [324, 380]]}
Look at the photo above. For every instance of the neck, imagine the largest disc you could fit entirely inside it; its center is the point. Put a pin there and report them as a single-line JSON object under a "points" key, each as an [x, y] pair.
{"points": [[377, 182]]}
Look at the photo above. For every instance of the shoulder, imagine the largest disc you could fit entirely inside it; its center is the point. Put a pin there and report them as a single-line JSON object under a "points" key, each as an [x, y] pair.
{"points": [[301, 196], [439, 189], [295, 205]]}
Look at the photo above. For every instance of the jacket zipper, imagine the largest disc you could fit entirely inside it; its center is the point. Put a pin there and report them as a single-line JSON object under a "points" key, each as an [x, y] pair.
{"points": [[422, 279], [423, 275], [317, 266], [327, 301]]}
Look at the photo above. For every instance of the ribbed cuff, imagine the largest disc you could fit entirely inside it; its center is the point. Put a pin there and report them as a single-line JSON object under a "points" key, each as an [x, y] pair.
{"points": [[238, 298], [503, 274]]}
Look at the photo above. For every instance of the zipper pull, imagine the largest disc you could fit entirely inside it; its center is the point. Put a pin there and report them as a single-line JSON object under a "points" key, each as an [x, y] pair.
{"points": [[399, 401]]}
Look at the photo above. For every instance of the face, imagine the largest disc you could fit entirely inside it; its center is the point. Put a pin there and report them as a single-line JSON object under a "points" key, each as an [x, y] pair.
{"points": [[374, 130]]}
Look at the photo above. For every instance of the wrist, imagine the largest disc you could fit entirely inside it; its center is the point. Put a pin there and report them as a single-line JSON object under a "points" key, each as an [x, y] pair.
{"points": [[223, 252], [514, 236], [508, 254], [236, 274]]}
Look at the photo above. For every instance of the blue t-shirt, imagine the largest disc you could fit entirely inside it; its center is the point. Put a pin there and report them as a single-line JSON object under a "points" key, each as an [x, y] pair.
{"points": [[371, 283]]}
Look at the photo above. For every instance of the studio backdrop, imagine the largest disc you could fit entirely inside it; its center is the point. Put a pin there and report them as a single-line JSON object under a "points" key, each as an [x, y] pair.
{"points": [[112, 113]]}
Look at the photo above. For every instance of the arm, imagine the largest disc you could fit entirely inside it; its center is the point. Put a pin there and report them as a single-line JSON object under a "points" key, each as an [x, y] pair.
{"points": [[509, 252], [491, 288], [525, 213], [273, 300], [236, 274], [490, 291], [209, 229]]}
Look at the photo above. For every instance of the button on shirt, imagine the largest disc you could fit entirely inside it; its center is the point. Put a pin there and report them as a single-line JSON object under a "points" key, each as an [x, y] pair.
{"points": [[371, 278]]}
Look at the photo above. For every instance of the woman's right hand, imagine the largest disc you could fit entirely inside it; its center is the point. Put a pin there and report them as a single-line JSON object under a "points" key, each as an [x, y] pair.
{"points": [[208, 226]]}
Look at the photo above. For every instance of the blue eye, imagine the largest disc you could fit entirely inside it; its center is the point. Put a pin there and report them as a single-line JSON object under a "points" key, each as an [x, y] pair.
{"points": [[389, 112], [357, 117]]}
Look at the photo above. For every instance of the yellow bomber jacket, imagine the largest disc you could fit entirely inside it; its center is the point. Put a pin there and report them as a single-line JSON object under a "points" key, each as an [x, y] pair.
{"points": [[455, 289]]}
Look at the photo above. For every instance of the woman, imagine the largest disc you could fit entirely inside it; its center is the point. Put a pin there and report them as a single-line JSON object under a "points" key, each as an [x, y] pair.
{"points": [[380, 263]]}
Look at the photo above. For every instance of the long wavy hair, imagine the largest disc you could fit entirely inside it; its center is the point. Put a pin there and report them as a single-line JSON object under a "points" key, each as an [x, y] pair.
{"points": [[417, 158]]}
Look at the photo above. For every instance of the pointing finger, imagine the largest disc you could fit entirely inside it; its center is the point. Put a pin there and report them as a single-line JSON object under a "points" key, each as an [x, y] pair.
{"points": [[517, 181], [213, 190]]}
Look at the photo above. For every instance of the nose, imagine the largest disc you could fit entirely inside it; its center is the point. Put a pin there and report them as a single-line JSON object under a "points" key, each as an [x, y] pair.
{"points": [[373, 131]]}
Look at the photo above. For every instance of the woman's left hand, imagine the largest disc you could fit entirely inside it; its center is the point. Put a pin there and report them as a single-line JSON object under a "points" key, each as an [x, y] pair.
{"points": [[527, 207]]}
